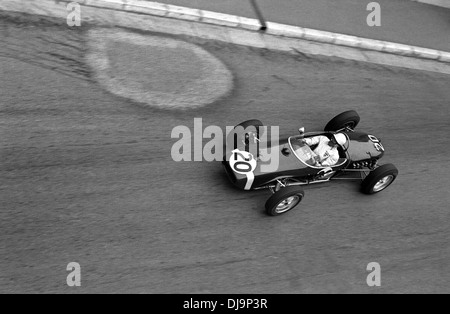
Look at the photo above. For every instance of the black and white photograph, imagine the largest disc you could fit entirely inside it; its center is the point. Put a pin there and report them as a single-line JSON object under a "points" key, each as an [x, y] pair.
{"points": [[224, 155]]}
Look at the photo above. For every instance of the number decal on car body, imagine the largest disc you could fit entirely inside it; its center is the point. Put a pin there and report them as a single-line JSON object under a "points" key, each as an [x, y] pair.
{"points": [[243, 162], [376, 143]]}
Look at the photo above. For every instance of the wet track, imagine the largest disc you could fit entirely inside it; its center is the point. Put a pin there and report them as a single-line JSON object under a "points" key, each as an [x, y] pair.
{"points": [[88, 177]]}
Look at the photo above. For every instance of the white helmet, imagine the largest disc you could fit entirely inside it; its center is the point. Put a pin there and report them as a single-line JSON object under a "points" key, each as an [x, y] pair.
{"points": [[340, 138]]}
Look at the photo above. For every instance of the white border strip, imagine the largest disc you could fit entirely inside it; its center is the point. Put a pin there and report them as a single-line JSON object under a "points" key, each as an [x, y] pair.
{"points": [[145, 8], [171, 11], [439, 3]]}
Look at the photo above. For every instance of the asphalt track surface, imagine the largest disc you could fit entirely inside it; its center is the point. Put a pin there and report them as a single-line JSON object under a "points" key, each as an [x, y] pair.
{"points": [[88, 177], [402, 21]]}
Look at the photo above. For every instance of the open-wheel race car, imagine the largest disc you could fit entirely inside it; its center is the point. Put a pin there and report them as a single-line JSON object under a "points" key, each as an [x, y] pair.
{"points": [[337, 153]]}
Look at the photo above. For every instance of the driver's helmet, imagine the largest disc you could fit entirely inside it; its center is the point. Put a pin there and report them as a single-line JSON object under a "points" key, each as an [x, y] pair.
{"points": [[340, 138]]}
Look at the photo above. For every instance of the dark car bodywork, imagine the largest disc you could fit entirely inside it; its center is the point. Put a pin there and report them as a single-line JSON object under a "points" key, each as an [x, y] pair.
{"points": [[361, 150]]}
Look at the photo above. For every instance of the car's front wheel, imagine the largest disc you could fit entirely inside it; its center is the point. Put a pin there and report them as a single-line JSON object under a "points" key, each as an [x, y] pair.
{"points": [[379, 179], [284, 200], [348, 119]]}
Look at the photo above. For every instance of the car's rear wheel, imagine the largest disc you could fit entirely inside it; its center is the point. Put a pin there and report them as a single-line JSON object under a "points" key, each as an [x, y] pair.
{"points": [[348, 119], [379, 179], [284, 200]]}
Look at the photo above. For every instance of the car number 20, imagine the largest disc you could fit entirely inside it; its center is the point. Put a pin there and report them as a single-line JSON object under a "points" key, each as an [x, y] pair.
{"points": [[242, 162], [376, 143]]}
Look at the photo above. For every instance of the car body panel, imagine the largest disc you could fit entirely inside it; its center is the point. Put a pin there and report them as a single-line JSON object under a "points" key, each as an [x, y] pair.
{"points": [[362, 147]]}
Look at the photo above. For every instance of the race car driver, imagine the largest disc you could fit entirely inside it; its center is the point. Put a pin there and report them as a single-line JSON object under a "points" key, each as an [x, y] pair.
{"points": [[326, 152]]}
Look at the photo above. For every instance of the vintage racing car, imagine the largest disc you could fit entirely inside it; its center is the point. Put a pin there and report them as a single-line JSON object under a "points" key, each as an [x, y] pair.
{"points": [[359, 155]]}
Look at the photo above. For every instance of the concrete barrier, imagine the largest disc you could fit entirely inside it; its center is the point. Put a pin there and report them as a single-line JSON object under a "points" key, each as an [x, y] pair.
{"points": [[159, 17]]}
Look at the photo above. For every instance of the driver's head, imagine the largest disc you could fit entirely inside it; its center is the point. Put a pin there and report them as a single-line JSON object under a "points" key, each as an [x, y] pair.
{"points": [[338, 139]]}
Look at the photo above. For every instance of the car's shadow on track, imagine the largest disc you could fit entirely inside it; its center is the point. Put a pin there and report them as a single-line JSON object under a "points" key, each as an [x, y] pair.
{"points": [[313, 193], [256, 198]]}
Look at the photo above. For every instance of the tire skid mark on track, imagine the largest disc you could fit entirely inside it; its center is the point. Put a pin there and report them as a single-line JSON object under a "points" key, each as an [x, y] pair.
{"points": [[69, 44]]}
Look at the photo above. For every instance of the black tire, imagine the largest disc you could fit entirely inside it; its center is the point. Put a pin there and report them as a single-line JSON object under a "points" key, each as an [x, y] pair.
{"points": [[249, 123], [246, 124], [346, 119], [386, 172], [274, 203]]}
